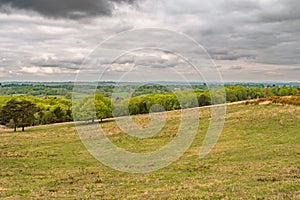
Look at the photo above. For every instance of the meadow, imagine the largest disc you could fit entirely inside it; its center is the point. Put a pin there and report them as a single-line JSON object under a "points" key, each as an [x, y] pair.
{"points": [[257, 157]]}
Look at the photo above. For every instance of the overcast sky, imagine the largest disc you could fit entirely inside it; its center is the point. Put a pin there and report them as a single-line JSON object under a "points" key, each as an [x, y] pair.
{"points": [[248, 40]]}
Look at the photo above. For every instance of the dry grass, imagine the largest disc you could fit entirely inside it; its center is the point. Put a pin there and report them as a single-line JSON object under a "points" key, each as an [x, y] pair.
{"points": [[256, 157], [286, 100]]}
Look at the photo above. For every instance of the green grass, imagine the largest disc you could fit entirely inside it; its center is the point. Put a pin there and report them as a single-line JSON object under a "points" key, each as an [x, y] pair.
{"points": [[256, 157]]}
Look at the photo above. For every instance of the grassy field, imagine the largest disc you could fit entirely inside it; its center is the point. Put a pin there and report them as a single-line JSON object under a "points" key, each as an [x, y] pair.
{"points": [[256, 157]]}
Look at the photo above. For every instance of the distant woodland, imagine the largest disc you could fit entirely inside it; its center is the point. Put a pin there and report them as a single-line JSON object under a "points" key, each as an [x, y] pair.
{"points": [[23, 105]]}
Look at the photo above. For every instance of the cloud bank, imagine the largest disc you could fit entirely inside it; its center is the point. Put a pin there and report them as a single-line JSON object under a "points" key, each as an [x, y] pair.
{"points": [[73, 9], [251, 40]]}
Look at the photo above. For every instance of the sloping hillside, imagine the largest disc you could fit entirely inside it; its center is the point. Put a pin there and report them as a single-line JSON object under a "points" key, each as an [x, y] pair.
{"points": [[256, 157]]}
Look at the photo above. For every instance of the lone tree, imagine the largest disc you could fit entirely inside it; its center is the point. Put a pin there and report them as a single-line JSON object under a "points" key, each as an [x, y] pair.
{"points": [[21, 113]]}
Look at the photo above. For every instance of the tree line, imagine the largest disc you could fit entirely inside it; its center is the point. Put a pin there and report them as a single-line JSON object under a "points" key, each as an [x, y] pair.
{"points": [[37, 90], [23, 111], [99, 107]]}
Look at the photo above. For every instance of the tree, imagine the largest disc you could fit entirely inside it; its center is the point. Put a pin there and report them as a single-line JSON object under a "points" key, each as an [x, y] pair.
{"points": [[283, 91], [40, 117], [27, 112], [102, 110], [69, 115], [20, 113], [102, 107], [86, 110], [10, 112], [203, 100], [58, 114], [92, 107], [267, 92]]}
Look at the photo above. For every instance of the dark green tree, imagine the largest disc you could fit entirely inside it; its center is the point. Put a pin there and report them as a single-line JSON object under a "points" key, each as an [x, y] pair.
{"points": [[21, 113], [58, 114], [27, 112], [203, 100], [10, 112], [41, 116]]}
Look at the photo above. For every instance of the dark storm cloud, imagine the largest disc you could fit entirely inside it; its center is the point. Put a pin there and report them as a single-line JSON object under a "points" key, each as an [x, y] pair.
{"points": [[73, 9]]}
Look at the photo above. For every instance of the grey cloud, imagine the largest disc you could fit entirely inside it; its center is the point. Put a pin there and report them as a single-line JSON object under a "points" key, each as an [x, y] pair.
{"points": [[151, 58], [295, 69], [281, 11], [240, 6], [60, 65], [223, 54], [125, 59], [263, 31], [235, 33], [159, 65], [236, 68], [73, 9]]}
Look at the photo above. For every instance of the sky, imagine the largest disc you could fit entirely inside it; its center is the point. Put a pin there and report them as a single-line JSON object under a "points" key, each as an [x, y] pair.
{"points": [[59, 40]]}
